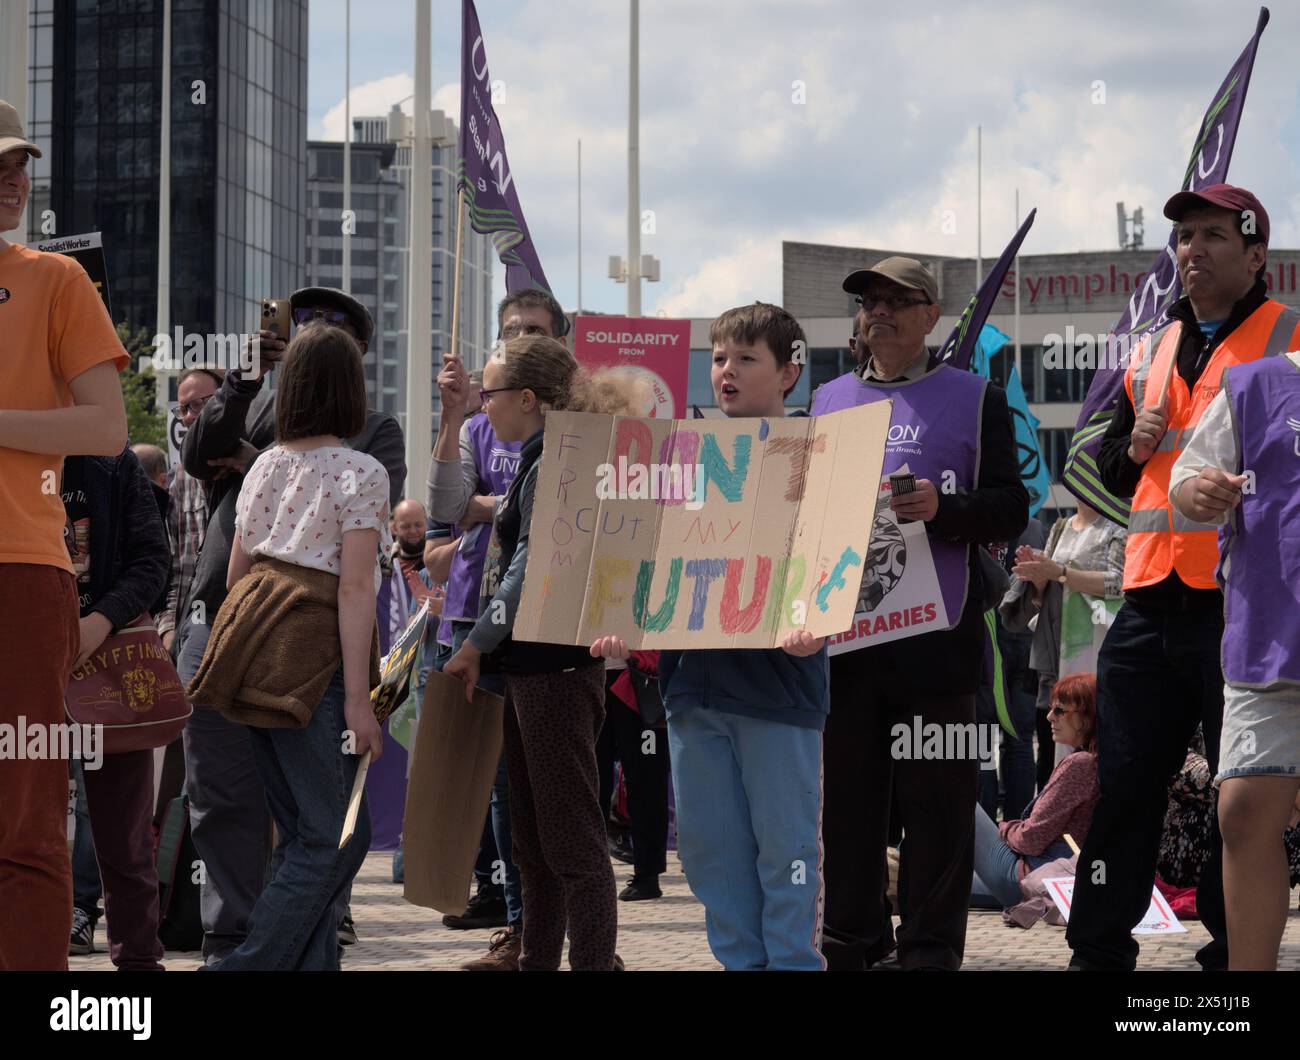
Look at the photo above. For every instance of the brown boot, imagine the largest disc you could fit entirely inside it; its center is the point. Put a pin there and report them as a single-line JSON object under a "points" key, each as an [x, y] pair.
{"points": [[502, 955]]}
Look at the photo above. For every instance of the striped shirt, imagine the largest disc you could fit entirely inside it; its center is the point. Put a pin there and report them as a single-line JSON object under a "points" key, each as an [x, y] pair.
{"points": [[187, 521]]}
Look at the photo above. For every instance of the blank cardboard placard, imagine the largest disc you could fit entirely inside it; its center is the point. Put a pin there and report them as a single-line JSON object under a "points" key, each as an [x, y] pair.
{"points": [[764, 533], [457, 749]]}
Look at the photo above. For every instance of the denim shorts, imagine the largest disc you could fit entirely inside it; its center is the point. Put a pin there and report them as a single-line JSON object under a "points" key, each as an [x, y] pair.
{"points": [[1261, 733]]}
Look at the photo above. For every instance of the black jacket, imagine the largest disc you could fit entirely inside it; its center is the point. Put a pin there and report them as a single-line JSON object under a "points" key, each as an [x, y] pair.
{"points": [[129, 554], [1120, 475], [244, 410], [521, 656], [951, 661]]}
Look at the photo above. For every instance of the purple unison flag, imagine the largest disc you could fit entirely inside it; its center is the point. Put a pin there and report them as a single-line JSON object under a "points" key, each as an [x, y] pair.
{"points": [[484, 169], [960, 345], [1148, 307]]}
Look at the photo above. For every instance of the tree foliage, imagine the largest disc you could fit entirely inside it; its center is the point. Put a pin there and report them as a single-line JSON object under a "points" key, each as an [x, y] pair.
{"points": [[146, 421]]}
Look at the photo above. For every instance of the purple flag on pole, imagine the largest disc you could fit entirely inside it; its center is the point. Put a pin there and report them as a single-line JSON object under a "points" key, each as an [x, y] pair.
{"points": [[1148, 307], [960, 345], [490, 193]]}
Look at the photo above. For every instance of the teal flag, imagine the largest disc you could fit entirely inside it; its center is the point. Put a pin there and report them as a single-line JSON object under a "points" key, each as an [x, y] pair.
{"points": [[1033, 469]]}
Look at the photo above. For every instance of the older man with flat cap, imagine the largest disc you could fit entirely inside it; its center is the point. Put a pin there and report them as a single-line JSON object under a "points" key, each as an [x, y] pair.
{"points": [[1158, 672], [954, 433], [227, 801]]}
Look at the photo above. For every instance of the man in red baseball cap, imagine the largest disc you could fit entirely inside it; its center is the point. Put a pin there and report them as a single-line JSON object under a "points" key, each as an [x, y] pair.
{"points": [[1158, 672]]}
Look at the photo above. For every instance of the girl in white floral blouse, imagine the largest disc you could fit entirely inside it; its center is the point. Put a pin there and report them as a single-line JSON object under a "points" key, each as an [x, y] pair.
{"points": [[313, 502]]}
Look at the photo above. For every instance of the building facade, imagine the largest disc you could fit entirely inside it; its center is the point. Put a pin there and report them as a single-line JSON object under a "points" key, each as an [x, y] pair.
{"points": [[1064, 300], [380, 248], [238, 149]]}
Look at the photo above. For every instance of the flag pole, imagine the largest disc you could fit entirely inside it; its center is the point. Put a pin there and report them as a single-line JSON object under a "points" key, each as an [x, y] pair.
{"points": [[979, 205], [162, 314], [579, 224], [1015, 327], [460, 244], [634, 165], [419, 326], [347, 145]]}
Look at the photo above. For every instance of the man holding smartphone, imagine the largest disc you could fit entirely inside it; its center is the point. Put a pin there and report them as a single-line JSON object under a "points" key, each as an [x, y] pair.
{"points": [[228, 815], [951, 428]]}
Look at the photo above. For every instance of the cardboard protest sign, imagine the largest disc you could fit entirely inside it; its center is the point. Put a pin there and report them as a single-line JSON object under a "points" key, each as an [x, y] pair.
{"points": [[659, 348], [678, 534], [899, 595], [457, 748], [1159, 918], [395, 669]]}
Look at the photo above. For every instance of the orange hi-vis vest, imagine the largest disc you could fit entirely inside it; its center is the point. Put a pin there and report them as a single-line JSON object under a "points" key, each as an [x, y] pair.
{"points": [[1161, 539]]}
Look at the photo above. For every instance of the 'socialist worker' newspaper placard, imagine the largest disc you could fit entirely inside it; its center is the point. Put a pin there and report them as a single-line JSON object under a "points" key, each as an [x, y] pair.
{"points": [[674, 534]]}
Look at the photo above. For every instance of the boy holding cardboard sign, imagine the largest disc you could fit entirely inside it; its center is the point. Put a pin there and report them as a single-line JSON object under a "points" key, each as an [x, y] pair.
{"points": [[744, 725]]}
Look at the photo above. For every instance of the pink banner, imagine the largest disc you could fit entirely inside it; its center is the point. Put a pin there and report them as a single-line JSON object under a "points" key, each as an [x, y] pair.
{"points": [[660, 348]]}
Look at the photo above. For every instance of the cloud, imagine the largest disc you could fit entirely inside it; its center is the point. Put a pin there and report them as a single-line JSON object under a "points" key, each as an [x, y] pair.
{"points": [[884, 139], [752, 271], [371, 99]]}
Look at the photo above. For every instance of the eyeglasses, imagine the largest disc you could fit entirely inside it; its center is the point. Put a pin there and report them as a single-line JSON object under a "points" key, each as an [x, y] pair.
{"points": [[486, 395], [1057, 711], [195, 406], [894, 302], [306, 314], [513, 331]]}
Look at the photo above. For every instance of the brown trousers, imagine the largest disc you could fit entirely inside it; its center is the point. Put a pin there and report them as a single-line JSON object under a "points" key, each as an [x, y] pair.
{"points": [[39, 640], [556, 824]]}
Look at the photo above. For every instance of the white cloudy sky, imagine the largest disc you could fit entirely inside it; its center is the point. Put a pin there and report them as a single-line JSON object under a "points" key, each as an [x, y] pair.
{"points": [[883, 145]]}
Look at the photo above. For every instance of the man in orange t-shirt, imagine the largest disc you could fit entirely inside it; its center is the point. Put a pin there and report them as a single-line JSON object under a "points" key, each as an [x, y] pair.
{"points": [[59, 396]]}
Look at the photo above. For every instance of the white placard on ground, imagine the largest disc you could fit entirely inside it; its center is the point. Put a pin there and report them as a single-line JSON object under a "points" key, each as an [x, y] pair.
{"points": [[1159, 919]]}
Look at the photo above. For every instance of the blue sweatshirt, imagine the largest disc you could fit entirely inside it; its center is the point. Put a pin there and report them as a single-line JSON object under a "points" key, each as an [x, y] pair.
{"points": [[765, 683]]}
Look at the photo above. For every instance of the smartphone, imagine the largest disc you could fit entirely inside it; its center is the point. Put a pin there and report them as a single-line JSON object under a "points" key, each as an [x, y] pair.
{"points": [[900, 484], [276, 317]]}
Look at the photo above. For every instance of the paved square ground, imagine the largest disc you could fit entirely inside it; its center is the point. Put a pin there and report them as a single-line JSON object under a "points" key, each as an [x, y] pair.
{"points": [[668, 934]]}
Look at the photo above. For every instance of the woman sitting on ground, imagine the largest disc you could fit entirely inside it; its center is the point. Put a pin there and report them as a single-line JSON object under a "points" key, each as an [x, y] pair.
{"points": [[1006, 853]]}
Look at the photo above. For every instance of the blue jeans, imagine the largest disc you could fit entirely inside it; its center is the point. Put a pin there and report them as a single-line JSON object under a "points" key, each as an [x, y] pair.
{"points": [[308, 780], [997, 866], [749, 806], [86, 887], [228, 818], [499, 809]]}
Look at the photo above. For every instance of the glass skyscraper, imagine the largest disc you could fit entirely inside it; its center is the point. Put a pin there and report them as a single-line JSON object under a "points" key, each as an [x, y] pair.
{"points": [[238, 149]]}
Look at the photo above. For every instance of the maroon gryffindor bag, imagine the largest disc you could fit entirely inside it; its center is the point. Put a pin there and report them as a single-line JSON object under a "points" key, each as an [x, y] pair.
{"points": [[130, 687]]}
